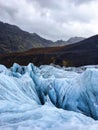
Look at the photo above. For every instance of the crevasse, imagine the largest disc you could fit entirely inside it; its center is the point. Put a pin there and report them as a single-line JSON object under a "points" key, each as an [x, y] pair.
{"points": [[42, 95]]}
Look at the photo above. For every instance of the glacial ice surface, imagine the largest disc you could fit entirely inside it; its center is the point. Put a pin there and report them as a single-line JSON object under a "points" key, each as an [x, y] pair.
{"points": [[48, 97]]}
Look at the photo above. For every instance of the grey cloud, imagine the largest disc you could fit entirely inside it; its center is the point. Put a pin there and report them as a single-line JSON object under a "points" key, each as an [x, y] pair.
{"points": [[52, 19], [52, 4], [81, 1], [10, 12]]}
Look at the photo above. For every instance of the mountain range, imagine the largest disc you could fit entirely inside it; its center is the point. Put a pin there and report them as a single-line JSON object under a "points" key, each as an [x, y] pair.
{"points": [[25, 47], [13, 39], [82, 53]]}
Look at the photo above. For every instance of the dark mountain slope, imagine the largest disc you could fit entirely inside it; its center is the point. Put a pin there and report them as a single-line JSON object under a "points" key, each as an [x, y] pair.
{"points": [[81, 53], [87, 44], [13, 39]]}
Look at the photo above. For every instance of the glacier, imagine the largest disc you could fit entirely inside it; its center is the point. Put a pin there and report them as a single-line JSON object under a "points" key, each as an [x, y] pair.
{"points": [[48, 97]]}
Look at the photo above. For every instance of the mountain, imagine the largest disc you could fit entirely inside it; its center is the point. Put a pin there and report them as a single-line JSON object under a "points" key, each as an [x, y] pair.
{"points": [[60, 43], [71, 40], [75, 40], [82, 53], [13, 39]]}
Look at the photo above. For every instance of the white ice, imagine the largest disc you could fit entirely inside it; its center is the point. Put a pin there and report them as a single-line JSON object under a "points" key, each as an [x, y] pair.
{"points": [[48, 97]]}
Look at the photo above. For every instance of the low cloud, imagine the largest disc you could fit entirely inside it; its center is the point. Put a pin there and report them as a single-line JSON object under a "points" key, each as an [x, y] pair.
{"points": [[52, 19]]}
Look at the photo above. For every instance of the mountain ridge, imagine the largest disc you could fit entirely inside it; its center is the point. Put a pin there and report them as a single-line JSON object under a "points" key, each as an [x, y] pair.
{"points": [[14, 39], [79, 54]]}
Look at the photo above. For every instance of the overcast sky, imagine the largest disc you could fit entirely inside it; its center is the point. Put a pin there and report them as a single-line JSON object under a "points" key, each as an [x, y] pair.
{"points": [[52, 19]]}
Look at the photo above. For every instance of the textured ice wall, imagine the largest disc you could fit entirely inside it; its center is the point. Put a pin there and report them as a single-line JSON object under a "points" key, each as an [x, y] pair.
{"points": [[31, 96]]}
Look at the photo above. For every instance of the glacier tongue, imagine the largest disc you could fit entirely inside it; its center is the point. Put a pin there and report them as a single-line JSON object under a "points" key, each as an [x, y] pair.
{"points": [[48, 97]]}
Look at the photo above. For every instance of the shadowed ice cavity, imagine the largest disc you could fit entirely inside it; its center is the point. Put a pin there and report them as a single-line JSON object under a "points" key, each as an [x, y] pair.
{"points": [[28, 85]]}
